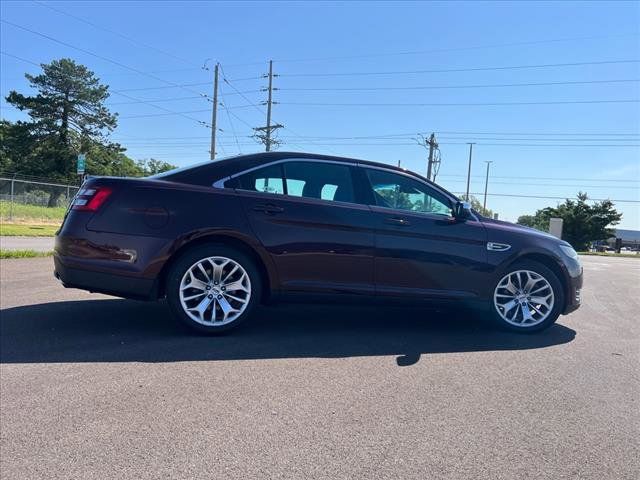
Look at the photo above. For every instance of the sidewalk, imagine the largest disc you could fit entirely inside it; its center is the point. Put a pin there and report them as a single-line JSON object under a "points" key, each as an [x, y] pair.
{"points": [[39, 244]]}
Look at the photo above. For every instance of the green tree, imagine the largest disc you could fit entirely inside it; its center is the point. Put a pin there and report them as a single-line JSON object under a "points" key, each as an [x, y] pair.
{"points": [[153, 166], [582, 223], [67, 117], [70, 98], [477, 206]]}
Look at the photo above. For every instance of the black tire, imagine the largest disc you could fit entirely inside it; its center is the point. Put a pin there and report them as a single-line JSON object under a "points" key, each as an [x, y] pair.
{"points": [[186, 261], [558, 293]]}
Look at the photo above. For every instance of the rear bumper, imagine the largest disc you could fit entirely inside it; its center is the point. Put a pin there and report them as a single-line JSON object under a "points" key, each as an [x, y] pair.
{"points": [[101, 282]]}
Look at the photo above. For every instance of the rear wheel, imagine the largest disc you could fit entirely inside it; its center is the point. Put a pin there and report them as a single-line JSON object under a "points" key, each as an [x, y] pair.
{"points": [[213, 288], [528, 298]]}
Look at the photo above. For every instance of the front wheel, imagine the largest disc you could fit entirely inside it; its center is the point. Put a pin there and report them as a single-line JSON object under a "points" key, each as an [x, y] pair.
{"points": [[213, 288], [528, 298]]}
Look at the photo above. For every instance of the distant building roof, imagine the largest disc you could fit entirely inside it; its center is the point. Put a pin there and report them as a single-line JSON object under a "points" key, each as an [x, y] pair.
{"points": [[628, 235]]}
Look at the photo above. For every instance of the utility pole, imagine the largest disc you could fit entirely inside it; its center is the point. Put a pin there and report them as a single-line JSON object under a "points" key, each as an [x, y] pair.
{"points": [[471, 144], [432, 148], [268, 129], [486, 185], [214, 112]]}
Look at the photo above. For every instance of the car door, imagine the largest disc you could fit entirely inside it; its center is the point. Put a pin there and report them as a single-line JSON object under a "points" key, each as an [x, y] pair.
{"points": [[307, 216], [421, 249]]}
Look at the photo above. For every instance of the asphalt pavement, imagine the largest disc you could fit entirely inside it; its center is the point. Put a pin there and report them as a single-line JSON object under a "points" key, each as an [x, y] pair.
{"points": [[39, 244], [93, 387]]}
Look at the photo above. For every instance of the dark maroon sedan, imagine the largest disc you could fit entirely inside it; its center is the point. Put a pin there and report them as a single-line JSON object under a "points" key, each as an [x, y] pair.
{"points": [[217, 238]]}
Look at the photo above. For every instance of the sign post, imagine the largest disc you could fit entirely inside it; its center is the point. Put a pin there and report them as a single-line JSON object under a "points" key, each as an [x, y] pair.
{"points": [[80, 164]]}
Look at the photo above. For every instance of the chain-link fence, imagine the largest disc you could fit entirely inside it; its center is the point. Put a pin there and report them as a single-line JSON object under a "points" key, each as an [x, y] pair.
{"points": [[31, 201]]}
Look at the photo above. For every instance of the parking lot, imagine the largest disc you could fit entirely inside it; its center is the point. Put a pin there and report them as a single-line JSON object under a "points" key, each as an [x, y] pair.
{"points": [[95, 387]]}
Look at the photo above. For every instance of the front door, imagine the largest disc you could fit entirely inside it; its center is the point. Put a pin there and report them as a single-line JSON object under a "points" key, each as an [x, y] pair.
{"points": [[306, 215], [421, 249]]}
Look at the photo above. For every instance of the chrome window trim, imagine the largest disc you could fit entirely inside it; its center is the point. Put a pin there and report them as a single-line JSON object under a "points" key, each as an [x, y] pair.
{"points": [[220, 183]]}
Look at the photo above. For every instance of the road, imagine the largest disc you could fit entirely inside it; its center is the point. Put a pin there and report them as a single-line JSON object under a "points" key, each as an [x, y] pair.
{"points": [[39, 244], [94, 387]]}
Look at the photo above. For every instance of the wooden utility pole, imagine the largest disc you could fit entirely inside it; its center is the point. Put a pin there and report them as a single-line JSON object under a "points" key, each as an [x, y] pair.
{"points": [[432, 149], [214, 112], [486, 185], [266, 137], [471, 144]]}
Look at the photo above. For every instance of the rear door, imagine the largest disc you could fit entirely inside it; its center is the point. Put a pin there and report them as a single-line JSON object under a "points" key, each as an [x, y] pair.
{"points": [[307, 215], [421, 250]]}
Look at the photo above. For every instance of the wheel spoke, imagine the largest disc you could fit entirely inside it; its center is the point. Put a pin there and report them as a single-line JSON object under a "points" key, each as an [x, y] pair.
{"points": [[509, 305], [230, 274], [194, 296], [225, 306], [195, 283], [540, 300], [202, 307], [510, 286], [537, 290], [217, 271], [526, 313], [237, 299], [236, 286]]}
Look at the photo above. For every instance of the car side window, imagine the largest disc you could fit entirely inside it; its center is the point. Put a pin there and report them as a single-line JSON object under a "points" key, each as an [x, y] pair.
{"points": [[399, 192], [321, 180], [268, 180]]}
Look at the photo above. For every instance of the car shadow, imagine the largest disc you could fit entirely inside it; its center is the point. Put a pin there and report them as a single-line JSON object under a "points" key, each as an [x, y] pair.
{"points": [[114, 330]]}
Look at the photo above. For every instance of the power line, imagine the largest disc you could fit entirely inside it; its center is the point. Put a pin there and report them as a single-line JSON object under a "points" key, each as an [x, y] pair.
{"points": [[573, 179], [101, 57], [430, 87], [550, 198], [168, 111], [453, 49], [560, 102], [223, 104], [198, 84], [20, 58], [527, 184], [449, 70], [155, 100], [113, 32], [146, 115], [136, 100]]}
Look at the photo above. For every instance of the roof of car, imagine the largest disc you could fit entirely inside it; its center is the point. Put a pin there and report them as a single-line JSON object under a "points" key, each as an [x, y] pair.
{"points": [[200, 173]]}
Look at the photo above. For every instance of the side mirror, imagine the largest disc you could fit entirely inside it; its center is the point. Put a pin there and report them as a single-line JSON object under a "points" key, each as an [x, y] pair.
{"points": [[462, 211]]}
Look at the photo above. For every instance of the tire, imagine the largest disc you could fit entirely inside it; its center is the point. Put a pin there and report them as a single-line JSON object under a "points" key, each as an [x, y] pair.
{"points": [[543, 300], [204, 305]]}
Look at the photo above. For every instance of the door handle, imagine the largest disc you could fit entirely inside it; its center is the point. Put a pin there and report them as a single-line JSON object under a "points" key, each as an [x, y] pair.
{"points": [[268, 208], [397, 221]]}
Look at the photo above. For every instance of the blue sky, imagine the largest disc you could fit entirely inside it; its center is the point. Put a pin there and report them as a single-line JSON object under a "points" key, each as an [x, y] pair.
{"points": [[551, 149]]}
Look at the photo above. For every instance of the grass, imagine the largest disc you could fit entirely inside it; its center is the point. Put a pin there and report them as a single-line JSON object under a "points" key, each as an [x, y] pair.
{"points": [[23, 254], [608, 254], [26, 230], [21, 213]]}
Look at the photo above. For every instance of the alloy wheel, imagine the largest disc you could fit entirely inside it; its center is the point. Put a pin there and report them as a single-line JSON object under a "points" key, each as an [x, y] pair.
{"points": [[215, 291], [524, 298]]}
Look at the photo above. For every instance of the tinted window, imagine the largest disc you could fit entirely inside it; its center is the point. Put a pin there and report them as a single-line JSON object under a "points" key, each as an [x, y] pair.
{"points": [[403, 193], [325, 181], [267, 179]]}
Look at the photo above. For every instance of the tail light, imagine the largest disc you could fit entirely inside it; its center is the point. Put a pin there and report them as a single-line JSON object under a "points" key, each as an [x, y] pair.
{"points": [[90, 199]]}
